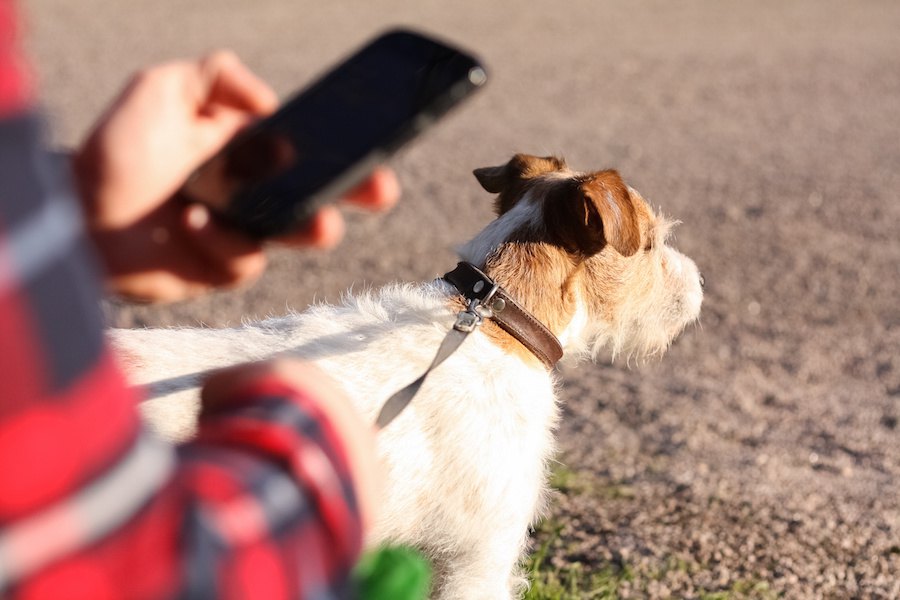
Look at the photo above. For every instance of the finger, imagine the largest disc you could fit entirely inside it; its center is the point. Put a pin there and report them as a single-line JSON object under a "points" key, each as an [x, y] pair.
{"points": [[380, 191], [159, 287], [233, 258], [226, 80], [325, 230]]}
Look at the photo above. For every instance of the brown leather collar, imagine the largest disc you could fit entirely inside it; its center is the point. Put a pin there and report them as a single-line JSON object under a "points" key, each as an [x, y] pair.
{"points": [[473, 284]]}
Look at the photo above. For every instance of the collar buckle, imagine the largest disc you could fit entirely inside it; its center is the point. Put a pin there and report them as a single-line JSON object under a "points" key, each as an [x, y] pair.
{"points": [[477, 311], [469, 319], [480, 307]]}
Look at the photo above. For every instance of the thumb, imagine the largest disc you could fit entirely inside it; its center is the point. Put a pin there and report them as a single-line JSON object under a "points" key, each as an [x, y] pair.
{"points": [[226, 81]]}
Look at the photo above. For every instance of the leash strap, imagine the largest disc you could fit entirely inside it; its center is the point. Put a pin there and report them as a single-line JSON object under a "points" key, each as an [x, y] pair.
{"points": [[466, 322], [396, 403]]}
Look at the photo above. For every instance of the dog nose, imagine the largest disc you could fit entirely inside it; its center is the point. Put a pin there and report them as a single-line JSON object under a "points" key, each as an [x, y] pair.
{"points": [[702, 281]]}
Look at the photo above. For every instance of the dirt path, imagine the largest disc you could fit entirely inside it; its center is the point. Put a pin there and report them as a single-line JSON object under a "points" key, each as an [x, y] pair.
{"points": [[761, 457]]}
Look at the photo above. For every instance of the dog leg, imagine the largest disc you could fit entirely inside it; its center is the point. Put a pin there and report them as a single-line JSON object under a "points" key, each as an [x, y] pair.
{"points": [[486, 562], [487, 573]]}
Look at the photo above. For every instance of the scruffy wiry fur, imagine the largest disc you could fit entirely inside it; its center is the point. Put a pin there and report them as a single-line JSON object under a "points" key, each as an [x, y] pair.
{"points": [[466, 463]]}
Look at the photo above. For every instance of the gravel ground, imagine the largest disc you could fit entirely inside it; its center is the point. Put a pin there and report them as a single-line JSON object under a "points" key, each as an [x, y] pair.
{"points": [[760, 457]]}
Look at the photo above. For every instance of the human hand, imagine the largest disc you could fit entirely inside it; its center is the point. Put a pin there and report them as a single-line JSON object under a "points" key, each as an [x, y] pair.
{"points": [[357, 437], [168, 121]]}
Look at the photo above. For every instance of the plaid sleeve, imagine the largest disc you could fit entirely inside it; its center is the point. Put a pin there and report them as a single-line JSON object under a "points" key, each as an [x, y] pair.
{"points": [[15, 88], [91, 505], [268, 475]]}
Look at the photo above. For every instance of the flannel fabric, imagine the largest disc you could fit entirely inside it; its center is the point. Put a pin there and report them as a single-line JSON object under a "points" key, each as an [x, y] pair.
{"points": [[259, 505]]}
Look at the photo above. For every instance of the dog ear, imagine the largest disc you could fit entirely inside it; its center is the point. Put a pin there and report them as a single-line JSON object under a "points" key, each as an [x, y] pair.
{"points": [[492, 179], [521, 166], [509, 180], [587, 214]]}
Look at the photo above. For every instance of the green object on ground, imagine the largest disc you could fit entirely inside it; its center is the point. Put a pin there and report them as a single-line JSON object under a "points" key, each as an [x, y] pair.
{"points": [[393, 574]]}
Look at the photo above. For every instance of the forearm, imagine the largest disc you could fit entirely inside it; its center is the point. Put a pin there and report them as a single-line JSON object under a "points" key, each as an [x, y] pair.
{"points": [[88, 501], [261, 504]]}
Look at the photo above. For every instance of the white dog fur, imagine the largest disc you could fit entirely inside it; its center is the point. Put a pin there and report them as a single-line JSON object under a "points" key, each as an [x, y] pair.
{"points": [[466, 463]]}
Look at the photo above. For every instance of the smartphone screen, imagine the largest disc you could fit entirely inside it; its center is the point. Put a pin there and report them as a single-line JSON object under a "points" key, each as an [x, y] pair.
{"points": [[274, 175]]}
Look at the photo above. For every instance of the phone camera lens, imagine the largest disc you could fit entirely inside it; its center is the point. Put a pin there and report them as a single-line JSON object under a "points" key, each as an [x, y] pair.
{"points": [[477, 76]]}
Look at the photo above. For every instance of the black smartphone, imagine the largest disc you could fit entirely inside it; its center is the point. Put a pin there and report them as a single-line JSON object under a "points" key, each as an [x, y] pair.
{"points": [[274, 175]]}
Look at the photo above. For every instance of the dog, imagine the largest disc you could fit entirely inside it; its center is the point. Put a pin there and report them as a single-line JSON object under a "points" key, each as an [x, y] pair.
{"points": [[466, 463]]}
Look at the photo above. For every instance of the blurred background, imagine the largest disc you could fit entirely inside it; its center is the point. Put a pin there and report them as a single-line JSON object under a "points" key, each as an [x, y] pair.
{"points": [[759, 458]]}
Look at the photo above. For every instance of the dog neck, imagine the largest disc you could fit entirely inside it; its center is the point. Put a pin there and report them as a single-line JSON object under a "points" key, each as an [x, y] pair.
{"points": [[491, 301], [543, 280]]}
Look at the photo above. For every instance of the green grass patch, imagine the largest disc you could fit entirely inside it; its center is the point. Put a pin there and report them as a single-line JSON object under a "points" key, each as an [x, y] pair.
{"points": [[573, 581], [576, 581], [568, 481]]}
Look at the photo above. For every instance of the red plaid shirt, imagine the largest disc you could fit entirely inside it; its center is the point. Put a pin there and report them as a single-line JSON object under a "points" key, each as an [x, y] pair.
{"points": [[260, 505]]}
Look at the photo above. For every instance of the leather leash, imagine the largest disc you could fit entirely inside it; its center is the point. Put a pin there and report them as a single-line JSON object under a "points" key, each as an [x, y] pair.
{"points": [[485, 300]]}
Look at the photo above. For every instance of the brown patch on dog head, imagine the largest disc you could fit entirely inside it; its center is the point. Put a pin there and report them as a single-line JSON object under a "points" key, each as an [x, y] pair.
{"points": [[512, 179], [586, 213], [574, 250]]}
